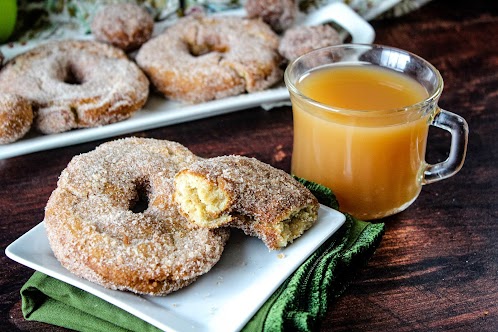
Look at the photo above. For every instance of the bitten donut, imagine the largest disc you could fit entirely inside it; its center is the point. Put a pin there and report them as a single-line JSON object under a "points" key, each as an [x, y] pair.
{"points": [[300, 40], [16, 117], [76, 84], [112, 220], [124, 25], [279, 14], [203, 58], [245, 193]]}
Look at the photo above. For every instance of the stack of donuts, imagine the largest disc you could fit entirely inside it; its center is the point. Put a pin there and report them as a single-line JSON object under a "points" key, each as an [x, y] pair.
{"points": [[148, 216], [69, 84]]}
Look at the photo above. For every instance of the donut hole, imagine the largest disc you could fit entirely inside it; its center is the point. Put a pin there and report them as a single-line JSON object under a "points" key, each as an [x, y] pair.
{"points": [[72, 75], [141, 201], [200, 49]]}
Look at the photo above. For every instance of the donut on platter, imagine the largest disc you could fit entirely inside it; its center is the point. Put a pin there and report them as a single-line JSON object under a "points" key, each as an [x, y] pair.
{"points": [[16, 117], [279, 14], [124, 25], [76, 84], [303, 39], [202, 58]]}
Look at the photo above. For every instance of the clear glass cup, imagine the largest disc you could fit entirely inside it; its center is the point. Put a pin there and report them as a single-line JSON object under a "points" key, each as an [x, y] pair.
{"points": [[373, 160]]}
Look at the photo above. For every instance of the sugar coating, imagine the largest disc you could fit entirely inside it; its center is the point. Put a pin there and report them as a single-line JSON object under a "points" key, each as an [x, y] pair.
{"points": [[203, 58], [76, 84], [94, 233], [124, 25], [246, 193], [16, 117]]}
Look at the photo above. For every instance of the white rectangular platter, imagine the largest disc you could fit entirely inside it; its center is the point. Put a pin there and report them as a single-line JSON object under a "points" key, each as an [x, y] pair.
{"points": [[159, 112], [224, 299]]}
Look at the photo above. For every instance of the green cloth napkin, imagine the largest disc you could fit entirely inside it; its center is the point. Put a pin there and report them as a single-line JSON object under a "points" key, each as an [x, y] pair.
{"points": [[298, 305], [49, 300]]}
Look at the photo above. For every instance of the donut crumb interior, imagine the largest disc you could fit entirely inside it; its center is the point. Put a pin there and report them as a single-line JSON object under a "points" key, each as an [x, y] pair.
{"points": [[295, 225], [205, 203]]}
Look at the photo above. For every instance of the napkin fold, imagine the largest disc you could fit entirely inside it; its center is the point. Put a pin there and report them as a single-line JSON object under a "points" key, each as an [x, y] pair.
{"points": [[299, 303]]}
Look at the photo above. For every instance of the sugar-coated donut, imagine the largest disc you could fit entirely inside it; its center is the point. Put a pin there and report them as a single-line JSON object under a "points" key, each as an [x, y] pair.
{"points": [[112, 220], [279, 14], [203, 58], [76, 84], [124, 25], [16, 117], [300, 40], [245, 193]]}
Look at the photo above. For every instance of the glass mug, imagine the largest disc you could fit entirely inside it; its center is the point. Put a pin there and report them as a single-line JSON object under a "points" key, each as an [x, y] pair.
{"points": [[368, 144]]}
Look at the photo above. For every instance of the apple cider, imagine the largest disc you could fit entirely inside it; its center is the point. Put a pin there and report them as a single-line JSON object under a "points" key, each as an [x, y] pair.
{"points": [[357, 134]]}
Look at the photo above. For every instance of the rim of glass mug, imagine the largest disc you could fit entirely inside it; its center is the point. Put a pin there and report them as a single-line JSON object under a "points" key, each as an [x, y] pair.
{"points": [[430, 100], [439, 117]]}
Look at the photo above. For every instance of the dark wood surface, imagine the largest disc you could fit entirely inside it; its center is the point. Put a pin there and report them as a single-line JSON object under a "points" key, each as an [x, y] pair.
{"points": [[437, 266]]}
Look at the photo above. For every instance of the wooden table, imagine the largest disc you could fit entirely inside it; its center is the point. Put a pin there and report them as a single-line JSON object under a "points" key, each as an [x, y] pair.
{"points": [[437, 266]]}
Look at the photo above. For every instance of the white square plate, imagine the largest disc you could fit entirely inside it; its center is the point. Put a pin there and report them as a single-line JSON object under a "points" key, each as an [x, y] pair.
{"points": [[159, 112], [224, 299]]}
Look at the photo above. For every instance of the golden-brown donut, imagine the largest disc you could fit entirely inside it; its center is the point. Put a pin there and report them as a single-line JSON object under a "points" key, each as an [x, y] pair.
{"points": [[16, 117], [124, 25], [245, 193], [279, 14], [111, 219], [76, 84], [303, 39], [203, 58]]}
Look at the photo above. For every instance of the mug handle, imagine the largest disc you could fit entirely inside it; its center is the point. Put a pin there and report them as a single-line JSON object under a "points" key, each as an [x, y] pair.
{"points": [[459, 130]]}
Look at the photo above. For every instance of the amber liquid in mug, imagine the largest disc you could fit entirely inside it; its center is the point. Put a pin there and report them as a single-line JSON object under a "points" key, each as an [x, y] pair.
{"points": [[372, 163]]}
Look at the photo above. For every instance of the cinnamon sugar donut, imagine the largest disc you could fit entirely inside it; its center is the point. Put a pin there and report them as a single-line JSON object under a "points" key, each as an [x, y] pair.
{"points": [[279, 14], [16, 117], [111, 219], [248, 194], [76, 84], [124, 25], [202, 58], [303, 39]]}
